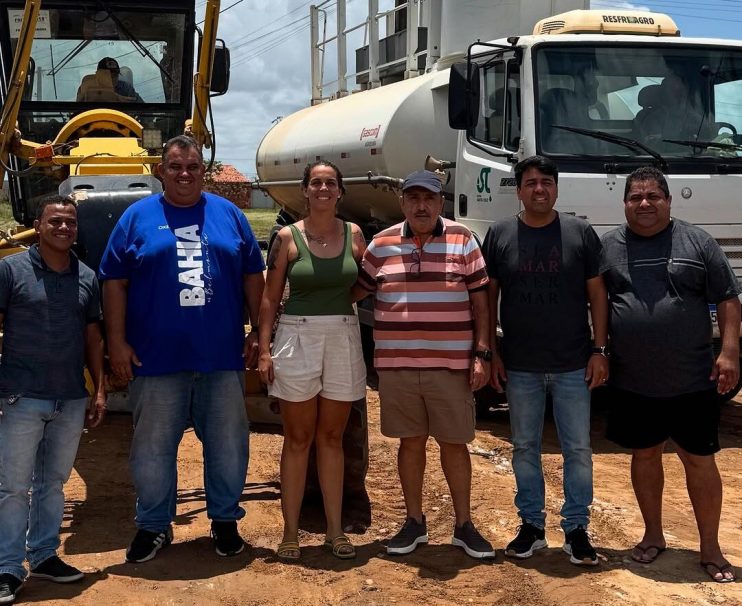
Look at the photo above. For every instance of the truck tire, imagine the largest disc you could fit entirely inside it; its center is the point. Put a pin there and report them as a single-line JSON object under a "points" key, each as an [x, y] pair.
{"points": [[356, 504], [487, 401]]}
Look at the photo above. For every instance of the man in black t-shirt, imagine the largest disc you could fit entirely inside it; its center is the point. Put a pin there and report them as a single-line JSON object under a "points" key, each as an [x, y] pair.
{"points": [[662, 274], [544, 266]]}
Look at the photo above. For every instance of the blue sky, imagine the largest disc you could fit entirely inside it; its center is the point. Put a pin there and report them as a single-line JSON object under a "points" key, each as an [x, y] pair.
{"points": [[269, 40], [710, 19]]}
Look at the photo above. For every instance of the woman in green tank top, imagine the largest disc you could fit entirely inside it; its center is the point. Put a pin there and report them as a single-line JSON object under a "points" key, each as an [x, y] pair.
{"points": [[315, 366]]}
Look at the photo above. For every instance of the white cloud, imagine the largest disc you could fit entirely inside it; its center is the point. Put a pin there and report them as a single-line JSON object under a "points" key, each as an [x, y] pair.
{"points": [[270, 75]]}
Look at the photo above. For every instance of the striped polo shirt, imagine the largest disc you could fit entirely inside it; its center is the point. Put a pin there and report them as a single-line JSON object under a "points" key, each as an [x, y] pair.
{"points": [[422, 312]]}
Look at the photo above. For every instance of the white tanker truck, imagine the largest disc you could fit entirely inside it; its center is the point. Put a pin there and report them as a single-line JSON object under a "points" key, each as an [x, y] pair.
{"points": [[601, 92]]}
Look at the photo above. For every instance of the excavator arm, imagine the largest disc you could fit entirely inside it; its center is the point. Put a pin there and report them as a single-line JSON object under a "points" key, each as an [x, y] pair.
{"points": [[196, 127], [10, 139]]}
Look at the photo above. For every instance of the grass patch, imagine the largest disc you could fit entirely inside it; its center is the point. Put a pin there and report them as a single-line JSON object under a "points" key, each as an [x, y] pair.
{"points": [[6, 215], [261, 220]]}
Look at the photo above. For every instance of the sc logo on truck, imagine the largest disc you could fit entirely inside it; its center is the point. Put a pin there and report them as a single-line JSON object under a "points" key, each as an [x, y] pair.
{"points": [[483, 184]]}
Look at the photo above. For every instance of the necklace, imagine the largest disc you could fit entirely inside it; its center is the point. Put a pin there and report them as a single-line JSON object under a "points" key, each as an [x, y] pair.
{"points": [[318, 239]]}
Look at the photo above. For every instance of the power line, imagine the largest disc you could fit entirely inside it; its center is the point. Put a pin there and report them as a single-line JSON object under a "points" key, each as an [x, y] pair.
{"points": [[275, 21], [224, 10], [234, 46], [271, 44]]}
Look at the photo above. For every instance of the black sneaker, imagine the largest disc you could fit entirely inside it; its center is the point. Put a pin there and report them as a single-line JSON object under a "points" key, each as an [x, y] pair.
{"points": [[412, 534], [474, 544], [227, 540], [146, 544], [577, 545], [54, 569], [9, 588], [528, 540]]}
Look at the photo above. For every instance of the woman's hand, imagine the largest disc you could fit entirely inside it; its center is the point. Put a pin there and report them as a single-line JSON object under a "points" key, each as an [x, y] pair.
{"points": [[265, 368]]}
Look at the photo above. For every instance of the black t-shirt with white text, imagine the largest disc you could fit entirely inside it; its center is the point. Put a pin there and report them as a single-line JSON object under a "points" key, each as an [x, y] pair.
{"points": [[542, 274]]}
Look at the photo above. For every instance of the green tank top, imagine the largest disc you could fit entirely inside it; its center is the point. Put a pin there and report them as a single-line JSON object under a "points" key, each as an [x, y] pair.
{"points": [[321, 287]]}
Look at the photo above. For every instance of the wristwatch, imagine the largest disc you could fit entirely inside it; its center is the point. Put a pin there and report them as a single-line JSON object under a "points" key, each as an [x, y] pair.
{"points": [[484, 354], [600, 351]]}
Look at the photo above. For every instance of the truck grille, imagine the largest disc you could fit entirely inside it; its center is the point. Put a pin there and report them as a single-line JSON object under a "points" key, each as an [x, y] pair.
{"points": [[732, 248]]}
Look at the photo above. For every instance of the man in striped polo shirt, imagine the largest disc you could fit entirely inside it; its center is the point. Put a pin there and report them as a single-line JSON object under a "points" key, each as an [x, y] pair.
{"points": [[431, 323]]}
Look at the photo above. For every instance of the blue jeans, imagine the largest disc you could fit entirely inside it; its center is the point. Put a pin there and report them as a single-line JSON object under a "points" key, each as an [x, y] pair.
{"points": [[164, 406], [526, 393], [38, 444]]}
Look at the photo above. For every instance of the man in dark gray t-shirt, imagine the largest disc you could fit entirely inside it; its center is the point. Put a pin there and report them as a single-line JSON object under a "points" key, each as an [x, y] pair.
{"points": [[50, 310], [544, 265], [662, 274]]}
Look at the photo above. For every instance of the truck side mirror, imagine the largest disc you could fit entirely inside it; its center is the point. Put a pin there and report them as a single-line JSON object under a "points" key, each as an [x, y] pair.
{"points": [[463, 96], [220, 71]]}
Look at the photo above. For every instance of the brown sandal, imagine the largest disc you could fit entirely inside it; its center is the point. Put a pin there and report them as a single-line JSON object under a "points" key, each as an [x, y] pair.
{"points": [[288, 551], [341, 547]]}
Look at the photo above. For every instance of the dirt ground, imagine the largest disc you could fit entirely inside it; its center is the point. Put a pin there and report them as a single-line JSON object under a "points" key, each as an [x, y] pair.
{"points": [[99, 524]]}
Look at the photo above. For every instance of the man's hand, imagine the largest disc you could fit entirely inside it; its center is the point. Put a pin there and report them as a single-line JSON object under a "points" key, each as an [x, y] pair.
{"points": [[121, 356], [478, 374], [250, 352], [97, 410], [265, 368], [497, 374], [725, 372], [596, 373]]}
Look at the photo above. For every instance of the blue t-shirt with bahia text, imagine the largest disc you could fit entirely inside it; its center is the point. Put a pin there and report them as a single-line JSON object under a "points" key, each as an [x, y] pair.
{"points": [[185, 268]]}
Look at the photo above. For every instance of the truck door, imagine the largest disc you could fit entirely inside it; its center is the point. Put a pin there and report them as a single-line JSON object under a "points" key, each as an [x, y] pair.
{"points": [[485, 178]]}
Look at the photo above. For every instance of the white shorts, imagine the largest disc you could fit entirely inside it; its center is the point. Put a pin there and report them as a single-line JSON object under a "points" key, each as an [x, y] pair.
{"points": [[318, 355]]}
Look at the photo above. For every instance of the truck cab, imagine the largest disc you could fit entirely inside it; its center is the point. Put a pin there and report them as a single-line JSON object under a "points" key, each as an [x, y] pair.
{"points": [[602, 93]]}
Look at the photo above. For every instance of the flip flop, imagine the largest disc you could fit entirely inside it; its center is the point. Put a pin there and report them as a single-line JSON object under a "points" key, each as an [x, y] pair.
{"points": [[288, 551], [644, 559], [341, 547], [726, 567]]}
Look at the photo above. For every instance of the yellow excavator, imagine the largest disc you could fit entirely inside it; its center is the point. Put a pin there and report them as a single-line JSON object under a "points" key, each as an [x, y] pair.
{"points": [[90, 90]]}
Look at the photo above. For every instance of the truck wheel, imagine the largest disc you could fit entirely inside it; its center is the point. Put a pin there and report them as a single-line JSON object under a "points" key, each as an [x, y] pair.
{"points": [[356, 504], [487, 401]]}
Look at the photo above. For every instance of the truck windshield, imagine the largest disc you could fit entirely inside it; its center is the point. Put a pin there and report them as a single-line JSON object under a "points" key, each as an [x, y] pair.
{"points": [[104, 56], [676, 100]]}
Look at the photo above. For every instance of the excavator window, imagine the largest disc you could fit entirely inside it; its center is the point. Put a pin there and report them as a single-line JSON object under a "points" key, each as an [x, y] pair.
{"points": [[146, 46]]}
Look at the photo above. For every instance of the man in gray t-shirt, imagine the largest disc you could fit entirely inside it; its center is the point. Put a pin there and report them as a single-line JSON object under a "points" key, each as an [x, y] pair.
{"points": [[50, 310], [662, 274]]}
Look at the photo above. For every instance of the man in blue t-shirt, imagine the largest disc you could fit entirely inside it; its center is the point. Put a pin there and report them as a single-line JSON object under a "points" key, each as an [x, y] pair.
{"points": [[178, 270]]}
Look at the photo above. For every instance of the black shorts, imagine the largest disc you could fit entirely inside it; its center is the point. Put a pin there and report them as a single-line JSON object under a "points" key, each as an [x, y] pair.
{"points": [[691, 420]]}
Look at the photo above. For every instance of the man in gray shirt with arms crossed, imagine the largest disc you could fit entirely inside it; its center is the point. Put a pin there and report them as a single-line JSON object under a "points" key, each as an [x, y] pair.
{"points": [[662, 274]]}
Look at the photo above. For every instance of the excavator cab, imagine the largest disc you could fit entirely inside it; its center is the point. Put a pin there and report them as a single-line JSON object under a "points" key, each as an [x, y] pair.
{"points": [[106, 83]]}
